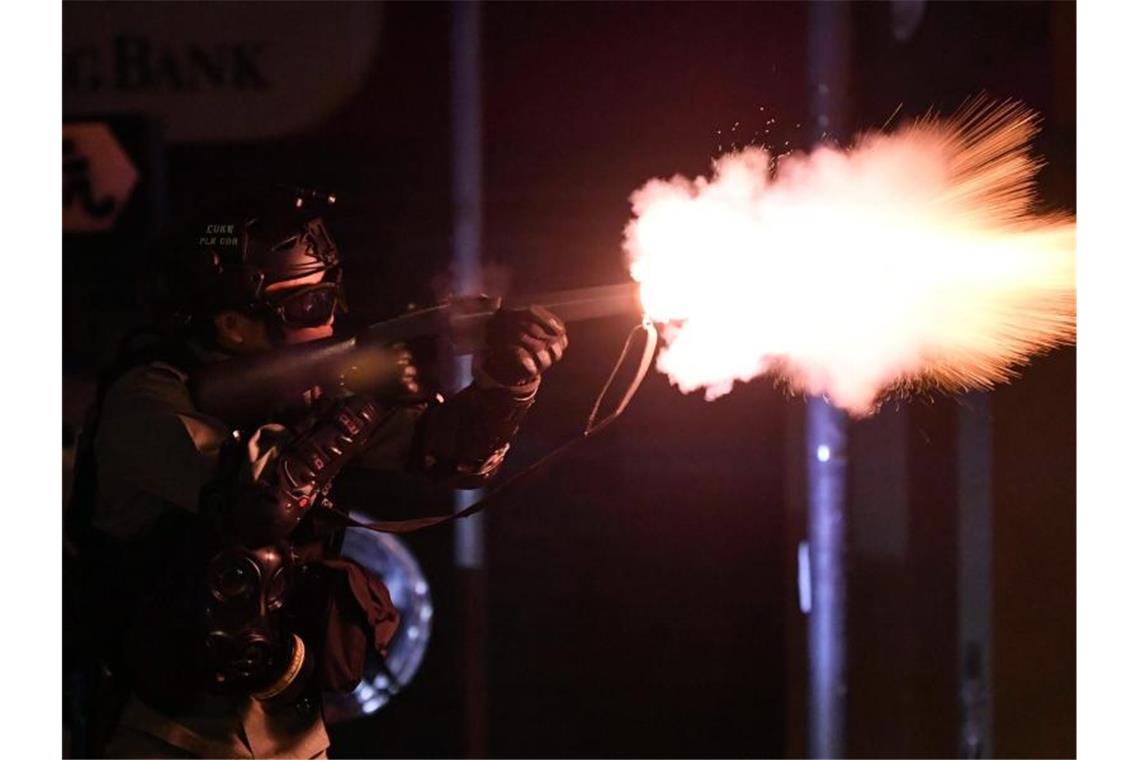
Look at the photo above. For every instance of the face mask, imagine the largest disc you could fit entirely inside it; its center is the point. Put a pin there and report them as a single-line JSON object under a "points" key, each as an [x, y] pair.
{"points": [[247, 591]]}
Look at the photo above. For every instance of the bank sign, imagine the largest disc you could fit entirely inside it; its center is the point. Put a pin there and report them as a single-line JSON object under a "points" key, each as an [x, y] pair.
{"points": [[217, 71]]}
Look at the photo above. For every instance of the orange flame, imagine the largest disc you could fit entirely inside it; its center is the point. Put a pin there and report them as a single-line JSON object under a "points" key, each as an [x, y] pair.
{"points": [[912, 260]]}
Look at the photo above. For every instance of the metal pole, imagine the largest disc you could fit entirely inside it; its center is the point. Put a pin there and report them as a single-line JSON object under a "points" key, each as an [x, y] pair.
{"points": [[827, 529], [975, 559], [826, 438], [467, 203]]}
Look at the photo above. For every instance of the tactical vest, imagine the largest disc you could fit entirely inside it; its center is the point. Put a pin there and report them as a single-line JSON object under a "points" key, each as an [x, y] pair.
{"points": [[182, 614]]}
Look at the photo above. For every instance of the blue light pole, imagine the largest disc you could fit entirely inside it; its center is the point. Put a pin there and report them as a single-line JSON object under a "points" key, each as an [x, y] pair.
{"points": [[829, 30], [827, 529], [467, 209]]}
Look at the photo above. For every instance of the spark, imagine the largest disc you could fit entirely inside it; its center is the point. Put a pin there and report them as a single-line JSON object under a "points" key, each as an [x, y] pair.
{"points": [[891, 117], [911, 261]]}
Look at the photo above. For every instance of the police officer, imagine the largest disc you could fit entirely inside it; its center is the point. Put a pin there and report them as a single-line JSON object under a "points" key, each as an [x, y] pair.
{"points": [[219, 598]]}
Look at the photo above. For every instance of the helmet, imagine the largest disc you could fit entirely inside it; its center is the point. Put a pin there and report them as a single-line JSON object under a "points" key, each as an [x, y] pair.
{"points": [[237, 255]]}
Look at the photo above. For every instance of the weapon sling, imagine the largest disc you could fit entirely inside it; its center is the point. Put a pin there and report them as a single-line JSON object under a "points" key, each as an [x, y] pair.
{"points": [[593, 425]]}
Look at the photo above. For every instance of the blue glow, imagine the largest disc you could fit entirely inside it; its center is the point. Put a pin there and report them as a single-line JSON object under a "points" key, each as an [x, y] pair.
{"points": [[803, 577], [387, 557], [826, 528]]}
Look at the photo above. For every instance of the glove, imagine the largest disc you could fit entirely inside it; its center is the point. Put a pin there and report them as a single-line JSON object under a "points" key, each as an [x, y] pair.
{"points": [[388, 375], [521, 344]]}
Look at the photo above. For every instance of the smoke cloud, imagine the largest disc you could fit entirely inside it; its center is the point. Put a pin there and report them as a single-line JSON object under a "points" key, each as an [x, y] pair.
{"points": [[911, 260]]}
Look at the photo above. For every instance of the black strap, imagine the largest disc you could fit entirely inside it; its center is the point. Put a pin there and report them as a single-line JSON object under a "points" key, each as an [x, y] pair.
{"points": [[593, 425]]}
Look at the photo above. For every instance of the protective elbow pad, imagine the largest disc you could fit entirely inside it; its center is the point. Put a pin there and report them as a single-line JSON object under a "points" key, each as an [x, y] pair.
{"points": [[266, 511]]}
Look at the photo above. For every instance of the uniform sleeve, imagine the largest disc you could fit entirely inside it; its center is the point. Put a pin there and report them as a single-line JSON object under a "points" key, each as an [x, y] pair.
{"points": [[392, 447], [152, 439], [154, 449], [460, 442]]}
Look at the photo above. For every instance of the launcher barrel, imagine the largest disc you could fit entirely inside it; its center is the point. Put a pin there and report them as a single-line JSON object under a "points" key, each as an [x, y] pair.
{"points": [[246, 389]]}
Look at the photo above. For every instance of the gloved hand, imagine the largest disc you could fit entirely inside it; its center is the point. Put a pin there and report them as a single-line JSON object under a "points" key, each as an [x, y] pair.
{"points": [[521, 344], [388, 375], [406, 383]]}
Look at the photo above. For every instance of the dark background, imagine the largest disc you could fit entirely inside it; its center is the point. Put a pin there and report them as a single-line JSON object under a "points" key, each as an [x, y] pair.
{"points": [[641, 593]]}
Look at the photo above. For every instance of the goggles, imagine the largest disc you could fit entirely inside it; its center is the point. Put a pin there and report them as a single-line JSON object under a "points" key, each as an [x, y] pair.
{"points": [[308, 306]]}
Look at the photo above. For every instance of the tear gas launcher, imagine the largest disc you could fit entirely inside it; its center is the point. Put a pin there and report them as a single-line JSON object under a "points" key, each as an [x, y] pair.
{"points": [[247, 388]]}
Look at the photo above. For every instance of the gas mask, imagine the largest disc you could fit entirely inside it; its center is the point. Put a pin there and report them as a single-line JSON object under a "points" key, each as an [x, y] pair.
{"points": [[247, 648]]}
